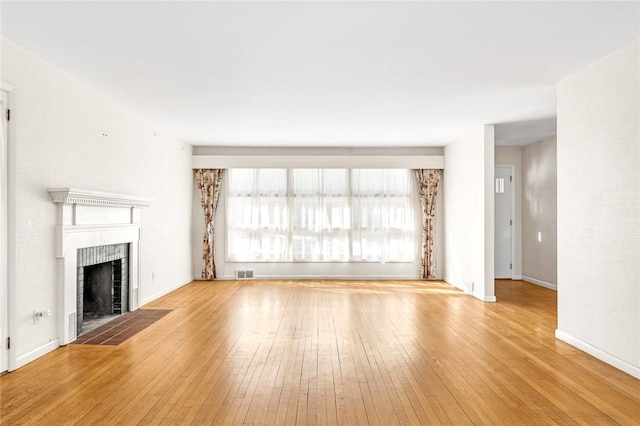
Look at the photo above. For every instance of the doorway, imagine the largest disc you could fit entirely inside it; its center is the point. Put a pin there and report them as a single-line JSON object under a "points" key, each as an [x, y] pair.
{"points": [[4, 238], [504, 221]]}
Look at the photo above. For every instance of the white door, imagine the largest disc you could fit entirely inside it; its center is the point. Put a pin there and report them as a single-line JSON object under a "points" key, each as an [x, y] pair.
{"points": [[503, 222], [4, 317]]}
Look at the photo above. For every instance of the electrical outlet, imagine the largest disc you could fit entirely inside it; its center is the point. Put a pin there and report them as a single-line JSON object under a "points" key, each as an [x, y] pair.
{"points": [[38, 315]]}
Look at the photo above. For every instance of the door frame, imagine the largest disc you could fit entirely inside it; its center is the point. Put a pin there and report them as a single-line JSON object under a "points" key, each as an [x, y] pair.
{"points": [[512, 211], [8, 279]]}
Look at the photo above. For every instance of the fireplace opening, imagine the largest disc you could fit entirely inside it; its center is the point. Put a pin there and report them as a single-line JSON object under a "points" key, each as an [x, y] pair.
{"points": [[102, 285]]}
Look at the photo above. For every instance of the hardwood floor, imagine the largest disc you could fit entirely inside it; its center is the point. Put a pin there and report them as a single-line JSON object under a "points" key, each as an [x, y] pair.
{"points": [[329, 352]]}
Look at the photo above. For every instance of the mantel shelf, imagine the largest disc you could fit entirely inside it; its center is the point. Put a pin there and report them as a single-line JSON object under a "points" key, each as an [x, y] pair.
{"points": [[95, 198]]}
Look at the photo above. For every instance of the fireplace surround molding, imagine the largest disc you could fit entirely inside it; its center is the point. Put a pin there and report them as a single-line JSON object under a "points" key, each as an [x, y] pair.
{"points": [[89, 219]]}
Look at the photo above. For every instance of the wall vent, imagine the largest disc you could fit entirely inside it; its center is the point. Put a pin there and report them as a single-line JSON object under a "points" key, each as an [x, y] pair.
{"points": [[468, 287], [244, 274], [73, 331], [135, 303]]}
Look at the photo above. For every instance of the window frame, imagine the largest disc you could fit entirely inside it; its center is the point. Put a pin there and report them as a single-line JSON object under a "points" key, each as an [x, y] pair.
{"points": [[290, 197]]}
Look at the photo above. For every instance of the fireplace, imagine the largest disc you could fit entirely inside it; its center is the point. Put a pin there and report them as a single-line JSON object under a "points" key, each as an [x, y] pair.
{"points": [[103, 284], [96, 228]]}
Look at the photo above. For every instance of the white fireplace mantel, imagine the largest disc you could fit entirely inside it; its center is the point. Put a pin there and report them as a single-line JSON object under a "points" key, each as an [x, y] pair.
{"points": [[95, 198], [88, 219]]}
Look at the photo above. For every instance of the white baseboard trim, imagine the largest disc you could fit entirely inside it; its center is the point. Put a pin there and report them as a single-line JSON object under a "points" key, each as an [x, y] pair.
{"points": [[464, 288], [516, 277], [541, 283], [600, 354], [458, 287], [37, 353], [484, 298], [164, 292], [330, 277]]}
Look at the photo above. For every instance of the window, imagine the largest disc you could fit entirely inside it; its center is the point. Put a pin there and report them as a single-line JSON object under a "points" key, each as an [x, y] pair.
{"points": [[320, 215]]}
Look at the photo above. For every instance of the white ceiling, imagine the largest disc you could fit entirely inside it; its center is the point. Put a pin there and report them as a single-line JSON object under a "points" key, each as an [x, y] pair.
{"points": [[327, 73]]}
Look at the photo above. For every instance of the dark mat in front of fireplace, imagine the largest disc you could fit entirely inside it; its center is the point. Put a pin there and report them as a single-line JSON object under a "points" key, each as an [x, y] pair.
{"points": [[121, 328]]}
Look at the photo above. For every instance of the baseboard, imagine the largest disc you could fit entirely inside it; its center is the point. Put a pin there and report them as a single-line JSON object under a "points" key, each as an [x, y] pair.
{"points": [[465, 289], [484, 298], [516, 277], [36, 353], [600, 354], [163, 292], [331, 277], [540, 282], [459, 287]]}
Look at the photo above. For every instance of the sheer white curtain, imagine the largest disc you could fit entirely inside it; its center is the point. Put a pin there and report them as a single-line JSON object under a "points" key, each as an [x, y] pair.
{"points": [[321, 218], [257, 214], [383, 215], [320, 215]]}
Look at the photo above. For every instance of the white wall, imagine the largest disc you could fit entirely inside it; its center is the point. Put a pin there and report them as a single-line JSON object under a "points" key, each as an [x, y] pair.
{"points": [[468, 213], [64, 134], [539, 213], [512, 156], [313, 270], [599, 209]]}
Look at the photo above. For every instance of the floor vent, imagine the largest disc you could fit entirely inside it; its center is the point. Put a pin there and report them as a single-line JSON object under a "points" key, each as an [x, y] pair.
{"points": [[244, 274]]}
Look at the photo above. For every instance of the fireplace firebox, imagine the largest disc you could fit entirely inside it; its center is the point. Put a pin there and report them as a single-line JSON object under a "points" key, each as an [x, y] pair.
{"points": [[103, 283]]}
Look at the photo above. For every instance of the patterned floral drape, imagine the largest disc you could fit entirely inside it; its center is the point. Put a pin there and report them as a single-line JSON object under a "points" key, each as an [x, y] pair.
{"points": [[428, 180], [209, 181]]}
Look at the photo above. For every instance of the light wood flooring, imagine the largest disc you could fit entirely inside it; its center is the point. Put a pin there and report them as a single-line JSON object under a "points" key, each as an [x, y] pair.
{"points": [[329, 352]]}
